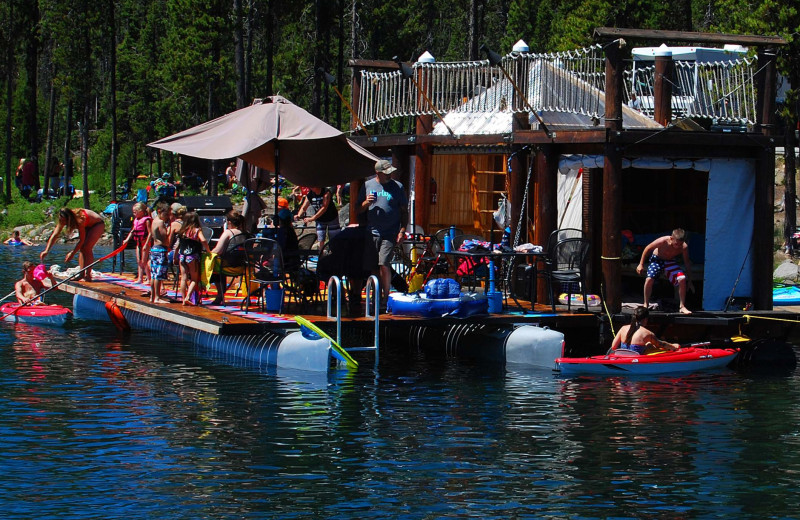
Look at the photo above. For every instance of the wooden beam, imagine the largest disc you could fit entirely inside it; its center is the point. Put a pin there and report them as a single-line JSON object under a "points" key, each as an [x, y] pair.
{"points": [[546, 203], [373, 64], [612, 181], [662, 90], [689, 37]]}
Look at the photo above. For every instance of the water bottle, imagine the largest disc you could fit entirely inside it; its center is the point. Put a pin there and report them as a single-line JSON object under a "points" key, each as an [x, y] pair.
{"points": [[448, 244]]}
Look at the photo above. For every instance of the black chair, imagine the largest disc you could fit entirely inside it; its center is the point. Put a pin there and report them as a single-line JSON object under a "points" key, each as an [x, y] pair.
{"points": [[559, 235], [121, 224], [307, 241], [568, 265], [232, 262], [554, 238], [264, 270]]}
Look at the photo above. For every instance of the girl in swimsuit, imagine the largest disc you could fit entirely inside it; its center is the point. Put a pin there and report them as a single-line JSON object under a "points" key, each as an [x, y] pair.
{"points": [[191, 244], [90, 227], [141, 234], [638, 338]]}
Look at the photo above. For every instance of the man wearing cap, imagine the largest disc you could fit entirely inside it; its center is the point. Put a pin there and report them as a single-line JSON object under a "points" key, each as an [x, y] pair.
{"points": [[386, 204]]}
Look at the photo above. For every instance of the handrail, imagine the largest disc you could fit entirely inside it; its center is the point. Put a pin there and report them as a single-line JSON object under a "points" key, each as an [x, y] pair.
{"points": [[374, 302], [336, 281]]}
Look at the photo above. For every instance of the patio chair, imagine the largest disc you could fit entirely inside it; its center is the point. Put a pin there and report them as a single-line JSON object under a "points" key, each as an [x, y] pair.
{"points": [[264, 274], [567, 266]]}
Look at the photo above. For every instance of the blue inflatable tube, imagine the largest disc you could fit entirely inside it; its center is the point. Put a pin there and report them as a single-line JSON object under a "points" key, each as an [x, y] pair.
{"points": [[419, 305]]}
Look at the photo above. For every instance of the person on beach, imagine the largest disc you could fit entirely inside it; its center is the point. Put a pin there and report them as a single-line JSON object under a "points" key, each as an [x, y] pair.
{"points": [[17, 240], [661, 254], [638, 338], [32, 283], [90, 227], [159, 253], [191, 244], [140, 233]]}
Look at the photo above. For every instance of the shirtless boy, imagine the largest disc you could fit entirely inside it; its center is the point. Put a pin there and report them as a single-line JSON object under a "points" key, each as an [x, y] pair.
{"points": [[30, 287], [159, 258], [661, 254]]}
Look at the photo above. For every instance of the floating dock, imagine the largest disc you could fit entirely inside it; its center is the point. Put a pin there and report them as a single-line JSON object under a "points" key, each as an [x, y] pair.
{"points": [[273, 339]]}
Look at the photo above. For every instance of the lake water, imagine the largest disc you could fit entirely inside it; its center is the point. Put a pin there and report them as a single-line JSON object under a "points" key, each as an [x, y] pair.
{"points": [[94, 425]]}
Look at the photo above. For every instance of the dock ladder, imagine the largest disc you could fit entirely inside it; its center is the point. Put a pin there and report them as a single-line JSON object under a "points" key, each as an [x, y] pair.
{"points": [[373, 311]]}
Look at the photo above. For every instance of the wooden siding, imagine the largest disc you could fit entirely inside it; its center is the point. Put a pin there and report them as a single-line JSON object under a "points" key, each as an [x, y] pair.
{"points": [[465, 192]]}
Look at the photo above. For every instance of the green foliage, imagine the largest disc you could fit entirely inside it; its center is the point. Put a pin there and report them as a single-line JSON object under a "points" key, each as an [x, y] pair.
{"points": [[175, 59]]}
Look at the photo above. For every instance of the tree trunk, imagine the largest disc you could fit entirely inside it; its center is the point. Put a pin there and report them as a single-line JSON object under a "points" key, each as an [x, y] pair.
{"points": [[248, 56], [84, 136], [9, 96], [113, 101], [238, 52], [316, 94], [270, 47], [473, 30], [67, 153], [48, 155], [340, 66], [790, 178], [31, 72]]}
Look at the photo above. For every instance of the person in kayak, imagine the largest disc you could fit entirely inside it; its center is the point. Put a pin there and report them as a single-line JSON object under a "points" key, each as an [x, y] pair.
{"points": [[638, 338], [32, 283]]}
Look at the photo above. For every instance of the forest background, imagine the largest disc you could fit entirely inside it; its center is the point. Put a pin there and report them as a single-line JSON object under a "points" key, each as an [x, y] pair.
{"points": [[91, 82]]}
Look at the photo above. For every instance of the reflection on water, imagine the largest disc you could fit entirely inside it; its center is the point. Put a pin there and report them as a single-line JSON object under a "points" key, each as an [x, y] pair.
{"points": [[141, 427]]}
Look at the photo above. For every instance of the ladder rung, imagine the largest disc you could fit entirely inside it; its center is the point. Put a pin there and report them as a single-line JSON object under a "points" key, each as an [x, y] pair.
{"points": [[360, 349], [491, 192], [490, 172]]}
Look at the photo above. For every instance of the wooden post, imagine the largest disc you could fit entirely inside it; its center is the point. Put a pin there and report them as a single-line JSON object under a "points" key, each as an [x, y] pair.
{"points": [[612, 179], [662, 92], [423, 159], [355, 96], [546, 217], [765, 183]]}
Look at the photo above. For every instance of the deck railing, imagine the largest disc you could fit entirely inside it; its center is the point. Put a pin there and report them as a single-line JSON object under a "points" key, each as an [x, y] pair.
{"points": [[571, 82]]}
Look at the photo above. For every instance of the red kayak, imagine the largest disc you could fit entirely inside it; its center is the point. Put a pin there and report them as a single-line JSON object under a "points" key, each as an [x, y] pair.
{"points": [[35, 314], [686, 359]]}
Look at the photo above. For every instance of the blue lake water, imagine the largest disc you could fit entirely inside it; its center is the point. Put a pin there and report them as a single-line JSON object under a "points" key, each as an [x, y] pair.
{"points": [[95, 425]]}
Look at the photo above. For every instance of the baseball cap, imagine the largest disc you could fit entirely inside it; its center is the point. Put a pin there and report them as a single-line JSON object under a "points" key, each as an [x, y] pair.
{"points": [[284, 214], [384, 166], [283, 203]]}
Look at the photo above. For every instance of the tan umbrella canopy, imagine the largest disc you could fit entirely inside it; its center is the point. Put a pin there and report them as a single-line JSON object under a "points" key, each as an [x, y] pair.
{"points": [[277, 135]]}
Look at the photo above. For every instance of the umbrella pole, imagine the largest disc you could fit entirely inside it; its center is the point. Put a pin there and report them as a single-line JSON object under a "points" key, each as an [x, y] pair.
{"points": [[277, 176]]}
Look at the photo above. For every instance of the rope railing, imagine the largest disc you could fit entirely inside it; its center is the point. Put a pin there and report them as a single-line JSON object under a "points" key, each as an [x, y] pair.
{"points": [[721, 90], [570, 82]]}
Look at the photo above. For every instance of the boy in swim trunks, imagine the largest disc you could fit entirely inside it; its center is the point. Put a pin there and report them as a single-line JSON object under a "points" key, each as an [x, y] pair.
{"points": [[661, 254], [159, 257]]}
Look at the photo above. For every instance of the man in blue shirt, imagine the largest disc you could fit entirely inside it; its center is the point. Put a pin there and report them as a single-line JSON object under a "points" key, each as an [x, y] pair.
{"points": [[385, 202]]}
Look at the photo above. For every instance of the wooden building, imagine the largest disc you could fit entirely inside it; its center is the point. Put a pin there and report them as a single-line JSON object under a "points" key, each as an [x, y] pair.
{"points": [[562, 138]]}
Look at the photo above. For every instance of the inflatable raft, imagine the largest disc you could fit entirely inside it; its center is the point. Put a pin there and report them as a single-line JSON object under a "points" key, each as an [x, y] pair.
{"points": [[35, 314], [684, 360], [785, 295], [422, 306]]}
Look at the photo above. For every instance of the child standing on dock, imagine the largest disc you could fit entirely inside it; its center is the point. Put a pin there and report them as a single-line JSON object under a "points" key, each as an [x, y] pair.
{"points": [[191, 244], [159, 257], [140, 233]]}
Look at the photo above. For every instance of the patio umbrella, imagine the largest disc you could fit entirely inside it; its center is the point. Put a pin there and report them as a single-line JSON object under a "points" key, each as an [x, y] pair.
{"points": [[277, 135]]}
